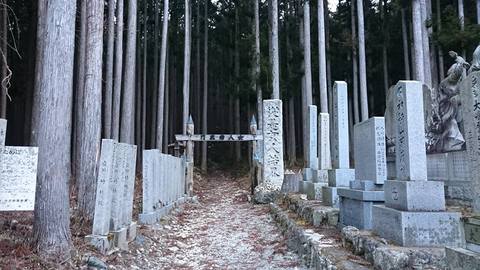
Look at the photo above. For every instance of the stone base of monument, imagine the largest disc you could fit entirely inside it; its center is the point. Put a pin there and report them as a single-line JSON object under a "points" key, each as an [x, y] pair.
{"points": [[120, 240], [132, 231], [309, 174], [356, 206], [266, 193], [330, 196], [340, 177], [418, 229], [314, 190], [291, 182], [472, 234], [460, 258], [415, 195], [103, 243], [154, 217]]}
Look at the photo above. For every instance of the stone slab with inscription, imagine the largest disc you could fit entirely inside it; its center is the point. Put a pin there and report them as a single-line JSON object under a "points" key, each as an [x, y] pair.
{"points": [[18, 178], [3, 131], [341, 174], [273, 166], [412, 215], [366, 191]]}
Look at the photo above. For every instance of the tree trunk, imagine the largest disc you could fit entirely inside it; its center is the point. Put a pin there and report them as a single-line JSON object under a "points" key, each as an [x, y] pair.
{"points": [[107, 105], [292, 155], [52, 122], [354, 64], [406, 59], [322, 58], [79, 90], [186, 66], [143, 103], [303, 85], [461, 18], [417, 40], [156, 71], [238, 154], [128, 97], [441, 69], [478, 11], [161, 76], [198, 87], [275, 59], [167, 107], [307, 95], [205, 87], [426, 45], [383, 11], [4, 60], [258, 86], [362, 62], [92, 110], [117, 84]]}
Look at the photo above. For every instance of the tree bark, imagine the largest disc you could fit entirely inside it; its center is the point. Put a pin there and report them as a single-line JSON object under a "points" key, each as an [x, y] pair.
{"points": [[275, 59], [156, 71], [238, 153], [418, 40], [461, 18], [186, 66], [355, 65], [4, 60], [128, 98], [258, 86], [441, 69], [322, 59], [426, 45], [478, 11], [107, 105], [143, 102], [79, 90], [117, 84], [362, 62], [406, 58], [52, 114], [383, 6], [307, 56], [92, 110], [205, 86], [161, 76]]}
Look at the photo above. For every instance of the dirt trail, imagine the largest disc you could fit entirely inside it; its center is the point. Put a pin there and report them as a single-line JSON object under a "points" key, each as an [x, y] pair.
{"points": [[222, 231]]}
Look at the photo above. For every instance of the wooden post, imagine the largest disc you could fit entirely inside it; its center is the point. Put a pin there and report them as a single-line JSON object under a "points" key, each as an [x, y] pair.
{"points": [[189, 158]]}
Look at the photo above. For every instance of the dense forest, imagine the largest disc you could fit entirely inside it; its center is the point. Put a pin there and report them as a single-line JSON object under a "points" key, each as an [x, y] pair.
{"points": [[75, 72]]}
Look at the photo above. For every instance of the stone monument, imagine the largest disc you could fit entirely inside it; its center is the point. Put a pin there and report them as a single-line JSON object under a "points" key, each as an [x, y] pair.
{"points": [[414, 212], [340, 175], [357, 201], [18, 175], [310, 172], [273, 167]]}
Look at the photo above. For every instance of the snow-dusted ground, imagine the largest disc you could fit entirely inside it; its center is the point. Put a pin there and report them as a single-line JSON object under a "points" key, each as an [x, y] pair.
{"points": [[222, 231]]}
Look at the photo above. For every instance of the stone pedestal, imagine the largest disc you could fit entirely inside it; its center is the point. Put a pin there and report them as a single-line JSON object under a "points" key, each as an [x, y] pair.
{"points": [[120, 240], [414, 214], [314, 190], [132, 231], [291, 182], [461, 259], [356, 205], [101, 242]]}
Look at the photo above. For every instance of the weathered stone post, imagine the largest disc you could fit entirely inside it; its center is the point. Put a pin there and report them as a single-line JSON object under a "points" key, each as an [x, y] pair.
{"points": [[310, 172], [470, 91], [189, 158], [273, 166], [414, 212], [256, 169], [340, 175]]}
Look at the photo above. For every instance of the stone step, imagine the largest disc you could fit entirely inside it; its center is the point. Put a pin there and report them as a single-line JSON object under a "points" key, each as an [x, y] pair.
{"points": [[384, 255], [319, 247], [313, 211]]}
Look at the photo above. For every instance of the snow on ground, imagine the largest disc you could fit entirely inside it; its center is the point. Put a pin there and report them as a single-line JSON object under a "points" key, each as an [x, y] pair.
{"points": [[222, 231]]}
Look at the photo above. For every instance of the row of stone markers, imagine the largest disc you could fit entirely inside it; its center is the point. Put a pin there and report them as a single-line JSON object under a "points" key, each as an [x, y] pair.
{"points": [[410, 210], [163, 185], [113, 226]]}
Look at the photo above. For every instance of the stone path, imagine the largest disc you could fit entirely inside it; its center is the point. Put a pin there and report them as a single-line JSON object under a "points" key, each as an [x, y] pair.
{"points": [[222, 231]]}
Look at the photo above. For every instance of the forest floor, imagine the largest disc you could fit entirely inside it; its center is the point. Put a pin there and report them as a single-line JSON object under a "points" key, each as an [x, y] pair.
{"points": [[222, 230]]}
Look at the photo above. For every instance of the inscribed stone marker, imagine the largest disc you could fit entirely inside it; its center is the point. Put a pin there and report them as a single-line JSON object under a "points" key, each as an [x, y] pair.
{"points": [[312, 162], [340, 155], [370, 156], [471, 104], [324, 159], [18, 176], [117, 186], [148, 181], [411, 157], [101, 219], [273, 144], [129, 183], [3, 131]]}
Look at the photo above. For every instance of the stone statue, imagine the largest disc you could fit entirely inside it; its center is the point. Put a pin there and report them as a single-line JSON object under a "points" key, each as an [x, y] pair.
{"points": [[476, 61], [442, 125]]}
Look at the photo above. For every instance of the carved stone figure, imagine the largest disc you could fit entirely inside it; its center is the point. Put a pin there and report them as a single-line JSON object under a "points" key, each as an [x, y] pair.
{"points": [[443, 132], [476, 61]]}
